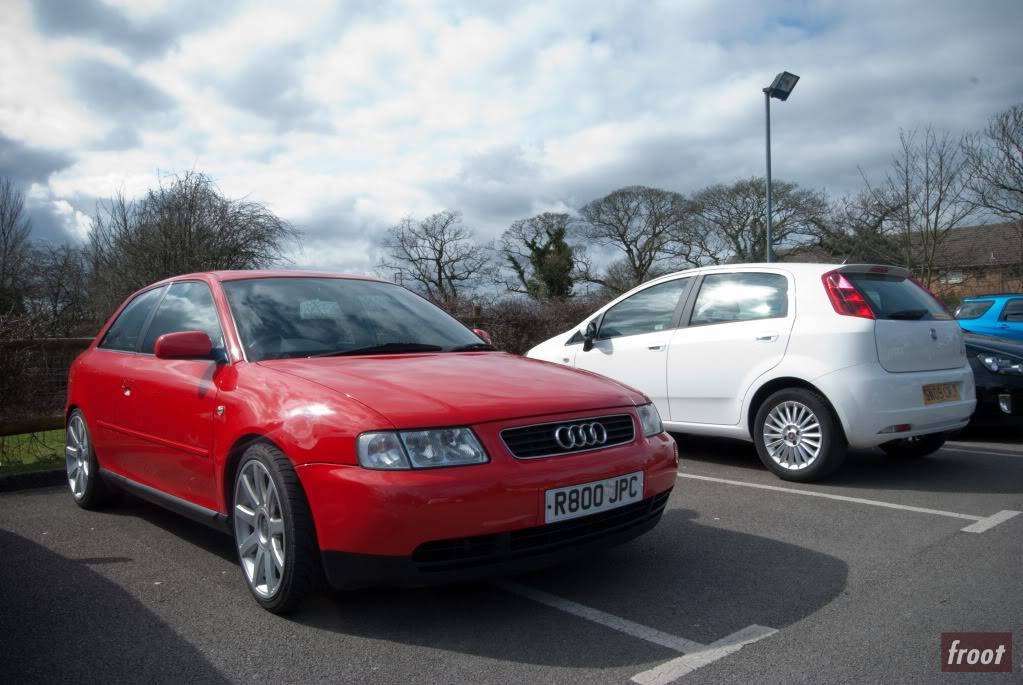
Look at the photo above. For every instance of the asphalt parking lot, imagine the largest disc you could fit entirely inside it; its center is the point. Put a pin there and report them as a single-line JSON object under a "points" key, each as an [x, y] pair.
{"points": [[746, 579]]}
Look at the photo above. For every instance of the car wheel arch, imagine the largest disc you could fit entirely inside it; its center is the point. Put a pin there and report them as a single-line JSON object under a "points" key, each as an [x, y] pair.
{"points": [[774, 385], [234, 457], [67, 419]]}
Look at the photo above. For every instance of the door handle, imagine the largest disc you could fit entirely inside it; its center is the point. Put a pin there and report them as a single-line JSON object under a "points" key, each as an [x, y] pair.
{"points": [[654, 348], [767, 337]]}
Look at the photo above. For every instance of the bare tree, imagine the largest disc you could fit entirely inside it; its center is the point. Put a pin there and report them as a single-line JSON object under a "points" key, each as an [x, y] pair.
{"points": [[928, 187], [539, 257], [437, 254], [859, 229], [15, 228], [995, 161], [646, 225], [58, 289], [732, 218], [183, 225]]}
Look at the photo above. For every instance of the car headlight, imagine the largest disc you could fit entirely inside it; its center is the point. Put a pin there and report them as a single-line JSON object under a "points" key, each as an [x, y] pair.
{"points": [[649, 419], [425, 449], [1002, 364]]}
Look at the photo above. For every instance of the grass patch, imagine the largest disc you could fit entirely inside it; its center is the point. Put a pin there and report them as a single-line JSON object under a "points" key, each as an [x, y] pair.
{"points": [[32, 452]]}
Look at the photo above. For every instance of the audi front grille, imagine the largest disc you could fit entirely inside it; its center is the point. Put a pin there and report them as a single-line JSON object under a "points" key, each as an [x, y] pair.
{"points": [[567, 437]]}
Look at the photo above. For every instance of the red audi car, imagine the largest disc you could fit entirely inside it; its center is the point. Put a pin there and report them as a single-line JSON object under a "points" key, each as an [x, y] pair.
{"points": [[344, 427]]}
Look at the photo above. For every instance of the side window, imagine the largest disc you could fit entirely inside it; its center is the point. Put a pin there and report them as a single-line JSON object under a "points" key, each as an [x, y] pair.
{"points": [[740, 297], [647, 311], [1013, 311], [187, 307], [968, 311], [124, 333]]}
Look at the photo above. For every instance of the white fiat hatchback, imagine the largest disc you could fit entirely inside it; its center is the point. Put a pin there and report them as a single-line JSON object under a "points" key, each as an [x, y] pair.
{"points": [[805, 360]]}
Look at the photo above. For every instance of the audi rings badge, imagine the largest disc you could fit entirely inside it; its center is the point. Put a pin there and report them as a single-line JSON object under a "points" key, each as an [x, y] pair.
{"points": [[579, 435]]}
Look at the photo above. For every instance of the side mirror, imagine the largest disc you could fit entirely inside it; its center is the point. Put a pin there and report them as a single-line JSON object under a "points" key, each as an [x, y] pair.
{"points": [[483, 335], [589, 336], [184, 345]]}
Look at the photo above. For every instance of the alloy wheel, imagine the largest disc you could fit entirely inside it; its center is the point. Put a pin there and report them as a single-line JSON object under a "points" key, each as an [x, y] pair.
{"points": [[76, 456], [259, 528], [792, 435]]}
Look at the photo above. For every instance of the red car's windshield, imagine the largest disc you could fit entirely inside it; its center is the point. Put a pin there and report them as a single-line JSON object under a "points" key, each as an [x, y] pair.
{"points": [[304, 317]]}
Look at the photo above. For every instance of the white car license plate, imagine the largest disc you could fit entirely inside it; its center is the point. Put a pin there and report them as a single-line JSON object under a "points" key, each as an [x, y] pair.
{"points": [[936, 393], [590, 498]]}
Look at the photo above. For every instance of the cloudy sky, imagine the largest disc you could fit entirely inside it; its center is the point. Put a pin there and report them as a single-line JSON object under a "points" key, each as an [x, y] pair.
{"points": [[345, 116]]}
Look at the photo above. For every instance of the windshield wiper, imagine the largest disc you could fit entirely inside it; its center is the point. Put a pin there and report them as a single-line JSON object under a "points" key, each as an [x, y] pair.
{"points": [[908, 314], [472, 347], [386, 348]]}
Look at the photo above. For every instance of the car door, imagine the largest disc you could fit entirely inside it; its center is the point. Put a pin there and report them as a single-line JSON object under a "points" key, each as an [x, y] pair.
{"points": [[632, 339], [173, 401], [109, 399], [735, 330]]}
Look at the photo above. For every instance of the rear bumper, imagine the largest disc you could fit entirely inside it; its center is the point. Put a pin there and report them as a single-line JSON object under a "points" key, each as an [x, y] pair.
{"points": [[508, 553], [869, 399]]}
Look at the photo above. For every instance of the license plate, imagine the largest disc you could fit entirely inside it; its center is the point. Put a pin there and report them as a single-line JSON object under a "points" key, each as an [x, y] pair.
{"points": [[941, 392], [590, 498]]}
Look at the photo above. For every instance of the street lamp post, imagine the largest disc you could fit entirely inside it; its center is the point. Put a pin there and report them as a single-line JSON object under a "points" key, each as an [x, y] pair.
{"points": [[780, 88]]}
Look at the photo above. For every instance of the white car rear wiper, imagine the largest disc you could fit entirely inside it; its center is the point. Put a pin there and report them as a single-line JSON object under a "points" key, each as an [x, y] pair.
{"points": [[908, 314]]}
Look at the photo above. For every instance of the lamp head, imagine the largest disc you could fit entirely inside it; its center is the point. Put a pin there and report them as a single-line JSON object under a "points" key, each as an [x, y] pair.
{"points": [[782, 86]]}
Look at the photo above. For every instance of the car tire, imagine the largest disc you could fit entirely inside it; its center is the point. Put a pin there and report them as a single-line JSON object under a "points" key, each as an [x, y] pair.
{"points": [[797, 436], [87, 486], [273, 529], [916, 447]]}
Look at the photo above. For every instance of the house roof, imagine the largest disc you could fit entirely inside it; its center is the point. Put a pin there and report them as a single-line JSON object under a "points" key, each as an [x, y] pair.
{"points": [[965, 247], [988, 245]]}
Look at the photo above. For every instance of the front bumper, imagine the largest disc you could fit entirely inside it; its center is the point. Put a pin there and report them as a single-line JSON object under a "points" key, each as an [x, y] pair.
{"points": [[869, 399], [389, 526], [509, 553], [990, 411]]}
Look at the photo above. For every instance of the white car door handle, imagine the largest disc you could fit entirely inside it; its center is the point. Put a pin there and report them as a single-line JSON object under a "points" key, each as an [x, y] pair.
{"points": [[767, 337], [656, 347]]}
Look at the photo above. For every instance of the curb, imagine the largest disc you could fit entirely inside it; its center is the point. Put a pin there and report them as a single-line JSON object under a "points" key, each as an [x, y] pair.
{"points": [[32, 479]]}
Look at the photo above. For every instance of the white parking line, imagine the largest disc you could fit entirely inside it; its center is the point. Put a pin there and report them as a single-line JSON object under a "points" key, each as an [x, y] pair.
{"points": [[982, 523], [991, 521], [997, 446], [990, 453], [672, 670], [622, 625], [695, 654]]}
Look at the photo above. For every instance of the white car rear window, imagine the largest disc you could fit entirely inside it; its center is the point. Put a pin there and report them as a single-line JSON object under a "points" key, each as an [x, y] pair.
{"points": [[895, 297]]}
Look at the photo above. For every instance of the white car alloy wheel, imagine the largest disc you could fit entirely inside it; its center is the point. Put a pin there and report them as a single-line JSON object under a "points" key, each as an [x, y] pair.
{"points": [[259, 528], [76, 456], [792, 435]]}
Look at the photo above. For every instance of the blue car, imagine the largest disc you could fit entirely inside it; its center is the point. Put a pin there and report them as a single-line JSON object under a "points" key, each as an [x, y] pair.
{"points": [[998, 315]]}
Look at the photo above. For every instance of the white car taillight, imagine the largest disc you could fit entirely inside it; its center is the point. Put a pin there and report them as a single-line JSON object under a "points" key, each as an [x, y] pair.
{"points": [[844, 296]]}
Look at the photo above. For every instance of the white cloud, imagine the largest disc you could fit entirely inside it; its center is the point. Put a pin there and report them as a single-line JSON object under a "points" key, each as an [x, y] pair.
{"points": [[343, 118]]}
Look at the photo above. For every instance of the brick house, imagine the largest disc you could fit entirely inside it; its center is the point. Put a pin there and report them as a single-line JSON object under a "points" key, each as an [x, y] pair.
{"points": [[981, 259]]}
